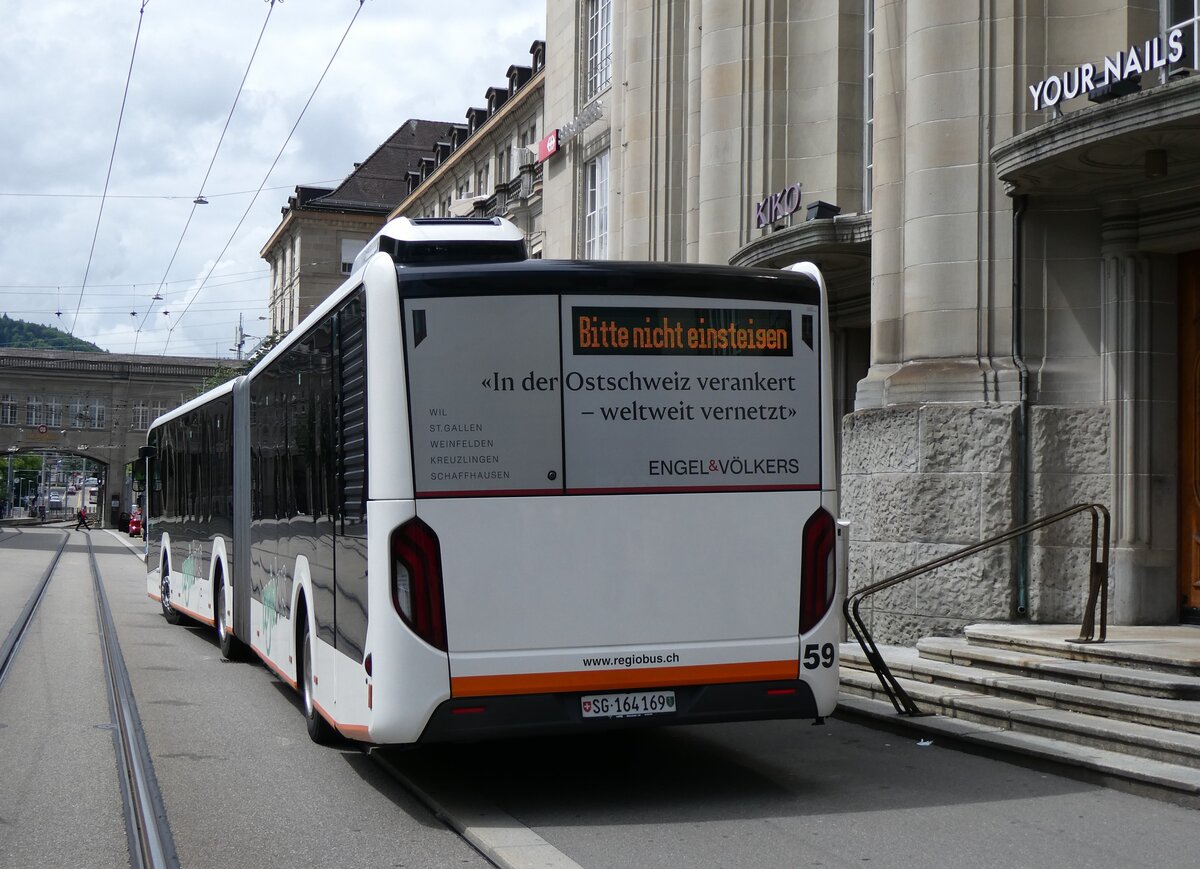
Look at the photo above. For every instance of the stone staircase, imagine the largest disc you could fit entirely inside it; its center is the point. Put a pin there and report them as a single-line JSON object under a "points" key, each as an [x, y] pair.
{"points": [[1128, 710]]}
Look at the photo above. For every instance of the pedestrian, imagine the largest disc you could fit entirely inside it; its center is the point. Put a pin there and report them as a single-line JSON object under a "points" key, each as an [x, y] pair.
{"points": [[82, 519]]}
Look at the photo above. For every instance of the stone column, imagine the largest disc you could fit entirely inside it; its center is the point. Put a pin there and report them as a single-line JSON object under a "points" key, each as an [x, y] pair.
{"points": [[887, 223], [941, 328], [1140, 403], [930, 457]]}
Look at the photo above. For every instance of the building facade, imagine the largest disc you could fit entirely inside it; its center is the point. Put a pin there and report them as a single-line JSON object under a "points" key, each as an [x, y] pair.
{"points": [[96, 406], [323, 229], [1005, 199], [488, 166]]}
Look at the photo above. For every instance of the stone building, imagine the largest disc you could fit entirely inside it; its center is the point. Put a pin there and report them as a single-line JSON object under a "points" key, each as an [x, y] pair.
{"points": [[95, 406], [1004, 200], [323, 229], [488, 167]]}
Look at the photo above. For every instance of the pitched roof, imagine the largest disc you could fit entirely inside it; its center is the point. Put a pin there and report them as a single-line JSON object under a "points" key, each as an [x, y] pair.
{"points": [[379, 183]]}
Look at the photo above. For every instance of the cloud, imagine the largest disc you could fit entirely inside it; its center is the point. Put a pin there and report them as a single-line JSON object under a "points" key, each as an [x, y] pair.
{"points": [[64, 66]]}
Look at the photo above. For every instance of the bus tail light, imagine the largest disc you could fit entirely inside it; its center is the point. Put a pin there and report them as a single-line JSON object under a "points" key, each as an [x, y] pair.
{"points": [[417, 581], [818, 576]]}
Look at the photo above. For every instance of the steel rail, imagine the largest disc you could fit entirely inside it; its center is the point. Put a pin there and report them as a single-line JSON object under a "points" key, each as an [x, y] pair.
{"points": [[151, 845], [1097, 594], [16, 633]]}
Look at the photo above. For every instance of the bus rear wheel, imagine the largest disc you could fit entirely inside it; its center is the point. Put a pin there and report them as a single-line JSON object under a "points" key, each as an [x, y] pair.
{"points": [[230, 647], [318, 728], [169, 613]]}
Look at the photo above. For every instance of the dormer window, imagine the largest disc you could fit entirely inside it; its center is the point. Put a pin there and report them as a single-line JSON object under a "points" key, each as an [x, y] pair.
{"points": [[496, 97], [517, 76], [475, 118]]}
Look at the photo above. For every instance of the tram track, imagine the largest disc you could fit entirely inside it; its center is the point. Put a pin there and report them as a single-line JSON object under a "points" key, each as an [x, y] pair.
{"points": [[148, 833], [8, 652]]}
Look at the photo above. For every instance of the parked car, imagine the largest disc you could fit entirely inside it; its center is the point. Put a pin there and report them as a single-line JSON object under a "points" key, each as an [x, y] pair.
{"points": [[135, 525]]}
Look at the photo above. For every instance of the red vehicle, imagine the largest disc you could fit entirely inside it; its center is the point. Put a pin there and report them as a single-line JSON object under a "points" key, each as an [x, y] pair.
{"points": [[135, 525]]}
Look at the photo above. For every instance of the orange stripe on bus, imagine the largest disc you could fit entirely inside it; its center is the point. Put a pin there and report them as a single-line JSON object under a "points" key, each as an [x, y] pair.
{"points": [[351, 731], [192, 615], [604, 680], [274, 669]]}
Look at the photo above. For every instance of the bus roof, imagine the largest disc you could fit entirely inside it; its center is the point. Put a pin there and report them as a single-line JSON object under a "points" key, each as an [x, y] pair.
{"points": [[610, 277]]}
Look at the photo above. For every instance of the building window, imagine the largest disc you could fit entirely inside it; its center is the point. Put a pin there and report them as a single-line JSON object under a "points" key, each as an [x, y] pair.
{"points": [[595, 230], [599, 47], [54, 411], [481, 182], [141, 415], [157, 409], [868, 104], [97, 413], [350, 249], [8, 409], [77, 413], [34, 414], [1185, 14], [502, 166]]}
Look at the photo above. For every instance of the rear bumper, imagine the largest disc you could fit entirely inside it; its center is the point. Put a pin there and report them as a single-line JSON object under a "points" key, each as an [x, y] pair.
{"points": [[471, 718]]}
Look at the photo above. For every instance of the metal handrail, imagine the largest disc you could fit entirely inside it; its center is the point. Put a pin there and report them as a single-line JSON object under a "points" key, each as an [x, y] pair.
{"points": [[1097, 592]]}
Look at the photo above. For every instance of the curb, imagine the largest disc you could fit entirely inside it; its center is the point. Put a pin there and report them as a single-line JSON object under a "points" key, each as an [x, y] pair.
{"points": [[499, 837]]}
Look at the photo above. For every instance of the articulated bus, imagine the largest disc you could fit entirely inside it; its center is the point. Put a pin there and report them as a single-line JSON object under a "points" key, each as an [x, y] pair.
{"points": [[477, 495]]}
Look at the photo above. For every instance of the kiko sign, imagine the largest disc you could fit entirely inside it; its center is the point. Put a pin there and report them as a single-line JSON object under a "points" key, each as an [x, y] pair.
{"points": [[777, 206], [1120, 66]]}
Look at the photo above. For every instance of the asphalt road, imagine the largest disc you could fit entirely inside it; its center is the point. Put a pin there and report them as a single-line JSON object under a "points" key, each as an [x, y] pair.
{"points": [[243, 785], [788, 794]]}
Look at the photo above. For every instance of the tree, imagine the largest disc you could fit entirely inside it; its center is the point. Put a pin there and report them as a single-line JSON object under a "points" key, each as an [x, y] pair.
{"points": [[19, 335]]}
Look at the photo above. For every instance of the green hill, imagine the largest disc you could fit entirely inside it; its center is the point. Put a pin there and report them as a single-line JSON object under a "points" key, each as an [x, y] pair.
{"points": [[19, 335]]}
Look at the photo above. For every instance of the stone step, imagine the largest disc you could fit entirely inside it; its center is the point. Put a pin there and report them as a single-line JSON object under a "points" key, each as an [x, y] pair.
{"points": [[907, 663], [1111, 677], [1174, 649], [1179, 781], [1063, 726]]}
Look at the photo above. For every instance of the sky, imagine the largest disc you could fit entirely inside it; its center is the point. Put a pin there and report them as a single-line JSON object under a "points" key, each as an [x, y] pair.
{"points": [[72, 83]]}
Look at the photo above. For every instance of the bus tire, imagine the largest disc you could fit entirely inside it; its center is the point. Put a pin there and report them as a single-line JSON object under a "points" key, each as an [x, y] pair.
{"points": [[169, 613], [231, 649], [318, 728]]}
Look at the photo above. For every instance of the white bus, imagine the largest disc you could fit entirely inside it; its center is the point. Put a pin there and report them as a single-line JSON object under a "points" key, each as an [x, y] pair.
{"points": [[475, 495]]}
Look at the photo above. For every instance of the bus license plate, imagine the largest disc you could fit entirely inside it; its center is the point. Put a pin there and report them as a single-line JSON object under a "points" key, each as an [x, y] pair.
{"points": [[628, 705]]}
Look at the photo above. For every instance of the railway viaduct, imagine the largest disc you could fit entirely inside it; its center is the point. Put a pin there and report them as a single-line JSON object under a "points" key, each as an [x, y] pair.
{"points": [[93, 405]]}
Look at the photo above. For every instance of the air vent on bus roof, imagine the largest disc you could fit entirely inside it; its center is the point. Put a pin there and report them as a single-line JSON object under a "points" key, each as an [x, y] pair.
{"points": [[457, 221], [456, 252], [446, 241]]}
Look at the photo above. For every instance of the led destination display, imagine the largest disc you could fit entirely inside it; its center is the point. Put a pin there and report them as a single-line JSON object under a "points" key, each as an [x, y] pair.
{"points": [[681, 331]]}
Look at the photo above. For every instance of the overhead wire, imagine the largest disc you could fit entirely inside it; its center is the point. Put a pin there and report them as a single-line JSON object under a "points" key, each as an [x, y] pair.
{"points": [[200, 193], [164, 196], [111, 159], [259, 274], [245, 214]]}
